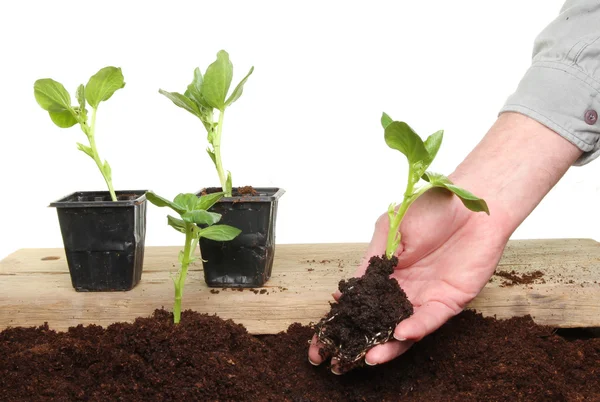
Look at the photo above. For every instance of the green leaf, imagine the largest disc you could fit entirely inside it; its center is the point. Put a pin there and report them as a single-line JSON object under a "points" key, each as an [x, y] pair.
{"points": [[212, 156], [217, 80], [207, 122], [176, 224], [85, 149], [237, 92], [81, 111], [103, 85], [391, 211], [81, 96], [163, 202], [211, 134], [470, 200], [63, 119], [432, 145], [206, 201], [51, 95], [182, 101], [228, 186], [220, 232], [201, 217], [399, 136], [194, 90], [186, 201], [385, 120], [107, 170]]}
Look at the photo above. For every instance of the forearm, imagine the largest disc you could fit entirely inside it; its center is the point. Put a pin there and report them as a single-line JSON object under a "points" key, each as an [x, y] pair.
{"points": [[515, 165]]}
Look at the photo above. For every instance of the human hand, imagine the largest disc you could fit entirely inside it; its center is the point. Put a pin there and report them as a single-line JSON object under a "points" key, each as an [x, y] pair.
{"points": [[448, 253]]}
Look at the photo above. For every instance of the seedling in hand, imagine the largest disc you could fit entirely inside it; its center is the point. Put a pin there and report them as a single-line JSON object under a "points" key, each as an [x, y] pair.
{"points": [[370, 307], [54, 98], [420, 154], [205, 95], [192, 211]]}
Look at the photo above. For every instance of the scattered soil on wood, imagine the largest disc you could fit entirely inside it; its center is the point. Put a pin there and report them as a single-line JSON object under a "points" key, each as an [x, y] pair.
{"points": [[471, 358], [366, 314], [340, 263], [512, 278]]}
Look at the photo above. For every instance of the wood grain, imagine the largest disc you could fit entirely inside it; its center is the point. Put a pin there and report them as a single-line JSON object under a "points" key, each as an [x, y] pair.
{"points": [[35, 287]]}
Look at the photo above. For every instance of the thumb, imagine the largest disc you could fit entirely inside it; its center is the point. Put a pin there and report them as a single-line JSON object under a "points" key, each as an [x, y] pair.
{"points": [[426, 319]]}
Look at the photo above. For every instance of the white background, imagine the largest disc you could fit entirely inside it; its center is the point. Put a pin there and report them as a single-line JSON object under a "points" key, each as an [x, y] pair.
{"points": [[308, 120]]}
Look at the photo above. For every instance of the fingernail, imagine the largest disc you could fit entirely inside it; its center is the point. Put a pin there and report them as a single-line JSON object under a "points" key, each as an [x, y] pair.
{"points": [[398, 338], [334, 371], [311, 362], [368, 363]]}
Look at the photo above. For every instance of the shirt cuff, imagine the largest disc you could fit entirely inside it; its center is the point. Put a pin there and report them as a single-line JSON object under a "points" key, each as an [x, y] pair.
{"points": [[564, 99]]}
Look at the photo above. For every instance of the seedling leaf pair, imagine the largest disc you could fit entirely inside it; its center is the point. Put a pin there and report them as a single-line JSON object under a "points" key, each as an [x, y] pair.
{"points": [[400, 136], [205, 94], [52, 96]]}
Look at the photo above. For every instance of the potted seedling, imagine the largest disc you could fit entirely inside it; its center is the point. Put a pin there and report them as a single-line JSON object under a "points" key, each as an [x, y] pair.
{"points": [[103, 231], [246, 261], [196, 223], [370, 307]]}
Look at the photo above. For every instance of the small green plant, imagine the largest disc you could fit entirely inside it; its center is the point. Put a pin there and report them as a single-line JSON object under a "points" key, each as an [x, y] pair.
{"points": [[204, 95], [193, 212], [54, 98], [420, 154]]}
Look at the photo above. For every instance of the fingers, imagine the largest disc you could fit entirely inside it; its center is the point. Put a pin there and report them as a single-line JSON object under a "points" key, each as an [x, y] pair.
{"points": [[313, 352], [335, 367], [426, 319], [315, 358], [378, 355], [388, 351]]}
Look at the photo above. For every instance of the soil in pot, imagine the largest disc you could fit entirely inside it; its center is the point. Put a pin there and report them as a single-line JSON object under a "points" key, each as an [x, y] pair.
{"points": [[205, 358], [246, 190], [365, 315]]}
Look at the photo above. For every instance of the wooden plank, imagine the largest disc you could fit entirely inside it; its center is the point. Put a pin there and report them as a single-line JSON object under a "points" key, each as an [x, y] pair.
{"points": [[34, 289]]}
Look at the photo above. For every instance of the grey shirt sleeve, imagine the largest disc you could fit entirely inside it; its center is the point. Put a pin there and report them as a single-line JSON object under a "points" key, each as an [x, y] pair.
{"points": [[561, 88]]}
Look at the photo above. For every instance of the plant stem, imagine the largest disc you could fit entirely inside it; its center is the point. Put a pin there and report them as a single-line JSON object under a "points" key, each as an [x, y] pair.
{"points": [[394, 235], [185, 262], [96, 157], [217, 150]]}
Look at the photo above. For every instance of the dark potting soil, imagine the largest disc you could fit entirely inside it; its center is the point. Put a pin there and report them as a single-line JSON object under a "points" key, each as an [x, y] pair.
{"points": [[366, 314], [246, 190], [235, 192], [204, 358]]}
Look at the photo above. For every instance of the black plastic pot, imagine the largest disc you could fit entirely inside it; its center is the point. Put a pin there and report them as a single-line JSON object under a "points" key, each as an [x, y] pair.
{"points": [[103, 239], [246, 261]]}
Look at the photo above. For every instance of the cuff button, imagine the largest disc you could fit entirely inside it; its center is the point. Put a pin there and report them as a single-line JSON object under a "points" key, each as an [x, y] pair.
{"points": [[591, 117]]}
